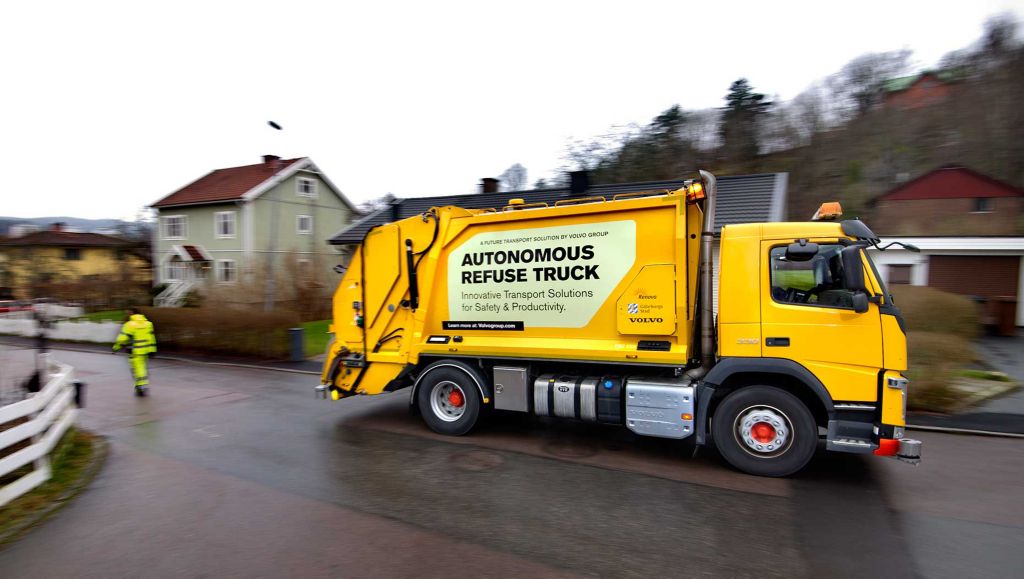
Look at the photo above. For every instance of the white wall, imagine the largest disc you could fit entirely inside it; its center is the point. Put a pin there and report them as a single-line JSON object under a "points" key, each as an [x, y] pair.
{"points": [[919, 267], [918, 263]]}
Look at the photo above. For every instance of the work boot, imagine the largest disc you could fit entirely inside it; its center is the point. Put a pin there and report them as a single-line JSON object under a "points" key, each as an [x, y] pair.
{"points": [[141, 391]]}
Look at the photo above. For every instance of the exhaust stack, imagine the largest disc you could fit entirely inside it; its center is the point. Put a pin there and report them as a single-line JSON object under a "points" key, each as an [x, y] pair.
{"points": [[707, 315]]}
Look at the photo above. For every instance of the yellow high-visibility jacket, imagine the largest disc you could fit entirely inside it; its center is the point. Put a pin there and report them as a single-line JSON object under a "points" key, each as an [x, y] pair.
{"points": [[137, 334]]}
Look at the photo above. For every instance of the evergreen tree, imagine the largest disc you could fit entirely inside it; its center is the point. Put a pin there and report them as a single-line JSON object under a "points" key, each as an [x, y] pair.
{"points": [[740, 120]]}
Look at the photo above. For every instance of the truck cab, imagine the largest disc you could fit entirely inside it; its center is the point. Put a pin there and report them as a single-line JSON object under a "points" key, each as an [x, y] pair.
{"points": [[822, 327]]}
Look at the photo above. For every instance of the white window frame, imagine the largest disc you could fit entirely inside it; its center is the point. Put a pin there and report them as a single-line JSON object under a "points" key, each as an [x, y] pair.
{"points": [[298, 225], [975, 202], [217, 275], [164, 222], [172, 267], [233, 221], [312, 187]]}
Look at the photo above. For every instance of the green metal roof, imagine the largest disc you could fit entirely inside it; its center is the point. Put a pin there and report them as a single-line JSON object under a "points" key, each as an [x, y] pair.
{"points": [[904, 82]]}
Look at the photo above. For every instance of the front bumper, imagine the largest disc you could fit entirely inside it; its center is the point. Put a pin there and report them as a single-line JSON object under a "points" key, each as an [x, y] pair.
{"points": [[905, 449]]}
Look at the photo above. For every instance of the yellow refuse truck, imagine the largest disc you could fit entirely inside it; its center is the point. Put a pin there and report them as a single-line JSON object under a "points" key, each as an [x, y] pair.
{"points": [[601, 310]]}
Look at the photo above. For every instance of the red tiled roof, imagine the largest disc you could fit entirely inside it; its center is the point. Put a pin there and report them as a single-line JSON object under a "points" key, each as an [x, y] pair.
{"points": [[224, 184], [951, 183], [195, 253], [67, 239]]}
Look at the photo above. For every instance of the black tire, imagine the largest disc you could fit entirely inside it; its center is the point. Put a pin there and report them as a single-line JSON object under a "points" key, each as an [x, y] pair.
{"points": [[433, 392], [759, 407]]}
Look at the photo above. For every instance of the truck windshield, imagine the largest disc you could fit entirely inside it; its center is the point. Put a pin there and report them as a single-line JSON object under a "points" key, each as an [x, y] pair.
{"points": [[878, 278]]}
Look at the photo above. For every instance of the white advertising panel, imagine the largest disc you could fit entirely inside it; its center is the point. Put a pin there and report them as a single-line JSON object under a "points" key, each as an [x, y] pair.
{"points": [[548, 277]]}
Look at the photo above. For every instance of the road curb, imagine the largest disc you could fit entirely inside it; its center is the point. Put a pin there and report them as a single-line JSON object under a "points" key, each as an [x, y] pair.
{"points": [[967, 431], [237, 365], [101, 449]]}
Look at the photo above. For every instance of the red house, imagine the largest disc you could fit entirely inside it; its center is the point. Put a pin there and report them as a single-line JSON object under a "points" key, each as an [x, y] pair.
{"points": [[970, 228], [920, 90], [951, 200]]}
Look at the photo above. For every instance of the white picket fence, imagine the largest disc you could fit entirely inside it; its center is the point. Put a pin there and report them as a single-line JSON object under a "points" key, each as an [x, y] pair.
{"points": [[103, 332], [49, 414]]}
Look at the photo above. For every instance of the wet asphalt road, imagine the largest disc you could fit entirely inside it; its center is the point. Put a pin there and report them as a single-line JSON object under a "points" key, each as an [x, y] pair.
{"points": [[238, 472]]}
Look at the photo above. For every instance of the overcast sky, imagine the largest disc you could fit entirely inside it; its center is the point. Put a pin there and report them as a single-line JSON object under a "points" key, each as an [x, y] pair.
{"points": [[108, 107]]}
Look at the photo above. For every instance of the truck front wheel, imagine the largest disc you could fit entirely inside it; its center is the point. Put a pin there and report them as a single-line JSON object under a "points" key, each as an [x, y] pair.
{"points": [[764, 431], [449, 401]]}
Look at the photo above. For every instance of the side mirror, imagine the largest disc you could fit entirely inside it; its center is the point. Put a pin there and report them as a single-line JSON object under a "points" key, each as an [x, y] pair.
{"points": [[853, 270], [860, 302], [801, 251]]}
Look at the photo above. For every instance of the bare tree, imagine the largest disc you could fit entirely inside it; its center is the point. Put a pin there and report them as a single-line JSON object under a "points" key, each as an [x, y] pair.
{"points": [[514, 178], [858, 86], [701, 129], [808, 113], [376, 204], [589, 154]]}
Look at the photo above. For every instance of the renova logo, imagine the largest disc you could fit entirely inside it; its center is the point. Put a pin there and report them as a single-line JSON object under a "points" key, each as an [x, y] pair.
{"points": [[647, 320]]}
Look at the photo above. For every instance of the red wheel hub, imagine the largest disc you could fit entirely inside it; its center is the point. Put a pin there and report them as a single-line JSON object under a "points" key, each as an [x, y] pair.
{"points": [[456, 399], [763, 432]]}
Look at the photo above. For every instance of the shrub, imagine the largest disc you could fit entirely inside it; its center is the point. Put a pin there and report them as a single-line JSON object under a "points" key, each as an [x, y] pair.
{"points": [[930, 310], [935, 362], [223, 330]]}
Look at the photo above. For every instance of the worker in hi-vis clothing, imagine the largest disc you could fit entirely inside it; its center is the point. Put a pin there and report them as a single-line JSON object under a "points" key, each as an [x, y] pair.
{"points": [[137, 334]]}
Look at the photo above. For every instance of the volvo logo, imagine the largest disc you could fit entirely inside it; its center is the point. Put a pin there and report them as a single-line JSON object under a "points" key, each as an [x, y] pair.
{"points": [[563, 388], [647, 320]]}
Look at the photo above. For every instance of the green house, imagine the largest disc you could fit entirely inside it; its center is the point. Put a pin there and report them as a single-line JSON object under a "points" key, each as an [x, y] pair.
{"points": [[255, 234]]}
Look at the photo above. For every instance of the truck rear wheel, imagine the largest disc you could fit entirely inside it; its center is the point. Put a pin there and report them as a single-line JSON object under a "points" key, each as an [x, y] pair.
{"points": [[449, 401], [764, 431]]}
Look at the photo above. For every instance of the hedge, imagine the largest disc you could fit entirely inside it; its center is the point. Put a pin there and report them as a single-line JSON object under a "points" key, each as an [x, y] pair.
{"points": [[223, 330], [940, 327], [930, 310]]}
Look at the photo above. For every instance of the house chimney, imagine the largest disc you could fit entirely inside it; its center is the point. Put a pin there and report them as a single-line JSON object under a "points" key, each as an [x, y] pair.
{"points": [[270, 160], [58, 226], [579, 183], [489, 185]]}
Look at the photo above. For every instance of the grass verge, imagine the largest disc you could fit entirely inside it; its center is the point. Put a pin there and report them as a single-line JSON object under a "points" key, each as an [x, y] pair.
{"points": [[74, 463], [316, 336], [105, 316], [986, 375]]}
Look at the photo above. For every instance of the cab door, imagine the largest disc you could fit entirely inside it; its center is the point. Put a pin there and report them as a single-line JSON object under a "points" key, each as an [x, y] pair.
{"points": [[808, 317]]}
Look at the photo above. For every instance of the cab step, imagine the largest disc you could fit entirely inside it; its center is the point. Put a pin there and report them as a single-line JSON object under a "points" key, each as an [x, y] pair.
{"points": [[850, 436]]}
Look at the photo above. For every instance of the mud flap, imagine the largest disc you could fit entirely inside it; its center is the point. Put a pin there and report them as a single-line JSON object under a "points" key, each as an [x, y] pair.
{"points": [[372, 378]]}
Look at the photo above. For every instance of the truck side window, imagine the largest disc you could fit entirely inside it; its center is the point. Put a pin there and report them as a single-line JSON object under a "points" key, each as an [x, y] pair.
{"points": [[816, 282]]}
